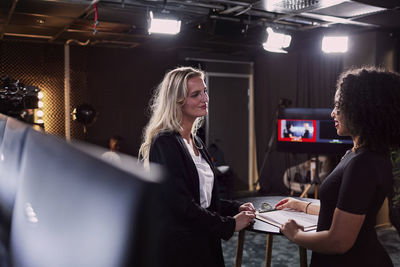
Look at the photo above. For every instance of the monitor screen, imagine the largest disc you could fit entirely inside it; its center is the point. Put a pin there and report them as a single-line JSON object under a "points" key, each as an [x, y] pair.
{"points": [[297, 130], [308, 130]]}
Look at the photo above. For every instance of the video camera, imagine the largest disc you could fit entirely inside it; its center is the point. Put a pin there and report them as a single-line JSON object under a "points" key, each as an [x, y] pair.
{"points": [[15, 97]]}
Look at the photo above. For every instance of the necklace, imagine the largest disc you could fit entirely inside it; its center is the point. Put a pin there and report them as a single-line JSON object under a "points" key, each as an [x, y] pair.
{"points": [[356, 144], [356, 147], [192, 140], [198, 147]]}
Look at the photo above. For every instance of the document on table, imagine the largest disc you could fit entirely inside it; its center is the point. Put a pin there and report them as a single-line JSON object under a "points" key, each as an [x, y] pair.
{"points": [[279, 217]]}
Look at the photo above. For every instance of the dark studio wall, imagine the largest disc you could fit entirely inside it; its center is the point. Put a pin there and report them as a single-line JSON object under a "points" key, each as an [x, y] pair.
{"points": [[38, 65], [42, 65], [306, 77], [120, 83], [275, 79], [116, 82], [374, 48]]}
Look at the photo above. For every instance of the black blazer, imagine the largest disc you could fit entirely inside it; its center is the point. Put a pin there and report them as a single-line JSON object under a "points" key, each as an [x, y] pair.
{"points": [[193, 233]]}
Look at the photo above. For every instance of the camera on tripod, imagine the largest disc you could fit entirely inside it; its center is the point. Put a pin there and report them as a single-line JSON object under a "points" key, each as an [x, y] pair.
{"points": [[15, 97]]}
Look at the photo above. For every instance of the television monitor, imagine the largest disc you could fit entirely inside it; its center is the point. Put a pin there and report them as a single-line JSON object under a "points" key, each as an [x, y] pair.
{"points": [[309, 130]]}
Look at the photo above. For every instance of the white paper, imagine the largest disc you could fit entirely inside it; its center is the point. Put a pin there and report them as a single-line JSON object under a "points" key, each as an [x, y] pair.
{"points": [[282, 216]]}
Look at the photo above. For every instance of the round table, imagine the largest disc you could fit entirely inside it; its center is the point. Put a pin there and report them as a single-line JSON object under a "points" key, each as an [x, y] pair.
{"points": [[265, 228]]}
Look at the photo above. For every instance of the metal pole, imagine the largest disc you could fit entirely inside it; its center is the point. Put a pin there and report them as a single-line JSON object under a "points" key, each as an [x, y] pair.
{"points": [[67, 92]]}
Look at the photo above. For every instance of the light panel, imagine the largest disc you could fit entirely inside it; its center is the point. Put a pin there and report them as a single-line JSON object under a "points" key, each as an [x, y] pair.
{"points": [[164, 26], [276, 41], [335, 44]]}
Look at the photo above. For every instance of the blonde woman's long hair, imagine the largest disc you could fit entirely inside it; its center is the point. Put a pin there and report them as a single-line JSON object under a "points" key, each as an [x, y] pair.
{"points": [[166, 107]]}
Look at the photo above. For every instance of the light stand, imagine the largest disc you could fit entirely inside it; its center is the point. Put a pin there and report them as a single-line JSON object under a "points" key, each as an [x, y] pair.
{"points": [[283, 103], [315, 180]]}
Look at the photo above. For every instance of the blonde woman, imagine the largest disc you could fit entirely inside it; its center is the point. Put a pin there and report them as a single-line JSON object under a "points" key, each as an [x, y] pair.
{"points": [[199, 219]]}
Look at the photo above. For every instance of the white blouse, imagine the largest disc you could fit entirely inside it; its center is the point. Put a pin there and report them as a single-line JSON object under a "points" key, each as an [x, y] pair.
{"points": [[206, 176]]}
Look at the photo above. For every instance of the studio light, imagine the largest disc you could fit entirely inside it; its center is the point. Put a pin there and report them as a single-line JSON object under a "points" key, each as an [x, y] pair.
{"points": [[276, 41], [335, 44], [39, 113], [164, 26]]}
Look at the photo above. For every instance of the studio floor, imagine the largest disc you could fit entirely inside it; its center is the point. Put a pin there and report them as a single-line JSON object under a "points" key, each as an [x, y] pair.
{"points": [[285, 253]]}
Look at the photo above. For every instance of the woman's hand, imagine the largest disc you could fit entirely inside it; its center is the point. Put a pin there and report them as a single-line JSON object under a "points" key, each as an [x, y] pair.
{"points": [[247, 207], [290, 229], [243, 219], [291, 203]]}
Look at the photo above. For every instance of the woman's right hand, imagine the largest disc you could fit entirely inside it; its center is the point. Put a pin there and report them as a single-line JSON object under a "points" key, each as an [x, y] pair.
{"points": [[244, 219], [291, 203], [290, 229]]}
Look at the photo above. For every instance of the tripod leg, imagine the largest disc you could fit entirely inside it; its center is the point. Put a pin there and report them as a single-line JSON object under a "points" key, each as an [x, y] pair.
{"points": [[316, 191], [305, 190]]}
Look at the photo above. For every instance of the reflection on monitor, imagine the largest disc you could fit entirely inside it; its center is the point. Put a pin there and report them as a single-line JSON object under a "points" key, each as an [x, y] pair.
{"points": [[308, 130]]}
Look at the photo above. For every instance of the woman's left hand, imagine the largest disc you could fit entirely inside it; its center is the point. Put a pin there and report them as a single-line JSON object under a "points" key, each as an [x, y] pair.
{"points": [[290, 229], [247, 207]]}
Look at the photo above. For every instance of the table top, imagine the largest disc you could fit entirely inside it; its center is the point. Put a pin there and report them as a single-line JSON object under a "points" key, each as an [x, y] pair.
{"points": [[263, 227]]}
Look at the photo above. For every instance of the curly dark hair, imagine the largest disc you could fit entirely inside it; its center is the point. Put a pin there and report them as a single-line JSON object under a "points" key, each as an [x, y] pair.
{"points": [[370, 101]]}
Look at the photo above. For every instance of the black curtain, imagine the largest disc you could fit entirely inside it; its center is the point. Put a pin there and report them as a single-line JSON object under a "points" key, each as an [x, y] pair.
{"points": [[305, 76], [317, 74]]}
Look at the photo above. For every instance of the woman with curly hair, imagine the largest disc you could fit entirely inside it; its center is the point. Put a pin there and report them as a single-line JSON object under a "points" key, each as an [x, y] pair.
{"points": [[198, 218], [367, 108]]}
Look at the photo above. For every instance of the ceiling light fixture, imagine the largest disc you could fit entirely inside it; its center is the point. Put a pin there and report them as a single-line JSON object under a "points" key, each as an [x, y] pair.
{"points": [[164, 26], [276, 41], [335, 44]]}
